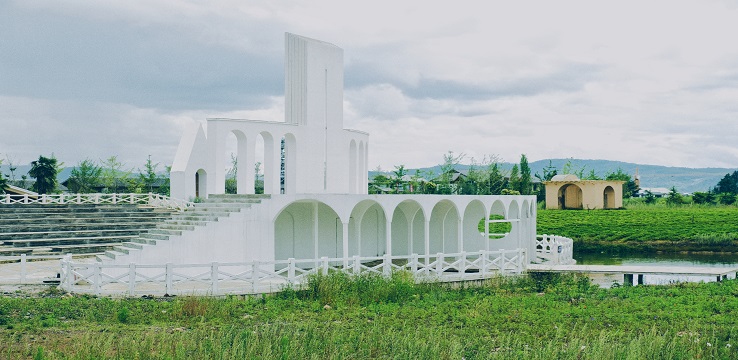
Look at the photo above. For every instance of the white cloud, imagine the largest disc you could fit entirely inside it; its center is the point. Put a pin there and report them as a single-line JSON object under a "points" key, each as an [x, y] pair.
{"points": [[651, 82]]}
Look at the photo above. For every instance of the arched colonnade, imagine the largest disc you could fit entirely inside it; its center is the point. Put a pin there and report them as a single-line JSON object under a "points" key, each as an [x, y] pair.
{"points": [[310, 163], [308, 227]]}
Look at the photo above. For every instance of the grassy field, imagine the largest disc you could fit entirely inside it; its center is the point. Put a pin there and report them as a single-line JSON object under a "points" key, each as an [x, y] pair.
{"points": [[538, 317], [686, 228]]}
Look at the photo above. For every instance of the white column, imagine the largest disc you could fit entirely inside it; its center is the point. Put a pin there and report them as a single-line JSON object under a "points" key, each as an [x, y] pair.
{"points": [[427, 240], [388, 234], [246, 163], [486, 233], [315, 230], [410, 233], [345, 243]]}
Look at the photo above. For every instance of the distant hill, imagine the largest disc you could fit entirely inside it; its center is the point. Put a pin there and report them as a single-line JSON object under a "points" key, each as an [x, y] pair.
{"points": [[686, 180]]}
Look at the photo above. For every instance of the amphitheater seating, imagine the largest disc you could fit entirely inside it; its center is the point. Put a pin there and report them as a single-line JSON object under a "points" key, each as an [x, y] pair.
{"points": [[42, 229]]}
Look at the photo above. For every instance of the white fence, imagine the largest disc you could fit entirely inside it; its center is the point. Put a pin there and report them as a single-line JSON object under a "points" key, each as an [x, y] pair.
{"points": [[265, 277], [149, 199], [29, 269], [554, 250]]}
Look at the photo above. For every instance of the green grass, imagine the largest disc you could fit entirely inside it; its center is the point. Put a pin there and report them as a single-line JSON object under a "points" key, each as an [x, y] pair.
{"points": [[688, 228], [338, 316]]}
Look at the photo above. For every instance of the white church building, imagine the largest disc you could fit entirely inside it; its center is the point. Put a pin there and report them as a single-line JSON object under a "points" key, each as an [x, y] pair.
{"points": [[315, 208]]}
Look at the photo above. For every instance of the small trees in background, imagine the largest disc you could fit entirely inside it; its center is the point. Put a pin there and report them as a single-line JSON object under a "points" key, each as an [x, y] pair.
{"points": [[113, 177], [3, 180], [44, 170], [85, 177]]}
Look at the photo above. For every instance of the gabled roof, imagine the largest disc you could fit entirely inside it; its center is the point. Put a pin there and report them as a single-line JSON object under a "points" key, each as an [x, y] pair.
{"points": [[14, 190]]}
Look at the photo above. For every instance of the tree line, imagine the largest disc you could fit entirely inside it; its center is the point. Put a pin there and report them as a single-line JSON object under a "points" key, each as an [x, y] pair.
{"points": [[485, 178], [89, 176], [724, 192]]}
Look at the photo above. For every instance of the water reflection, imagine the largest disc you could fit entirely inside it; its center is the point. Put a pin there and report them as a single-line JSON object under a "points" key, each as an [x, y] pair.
{"points": [[665, 259]]}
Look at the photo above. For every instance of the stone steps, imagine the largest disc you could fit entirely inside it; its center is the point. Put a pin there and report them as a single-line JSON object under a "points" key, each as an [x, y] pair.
{"points": [[47, 228], [32, 243], [211, 210], [8, 238], [86, 229], [53, 221]]}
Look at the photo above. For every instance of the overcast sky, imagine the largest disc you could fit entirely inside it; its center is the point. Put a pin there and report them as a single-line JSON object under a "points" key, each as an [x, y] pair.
{"points": [[649, 82]]}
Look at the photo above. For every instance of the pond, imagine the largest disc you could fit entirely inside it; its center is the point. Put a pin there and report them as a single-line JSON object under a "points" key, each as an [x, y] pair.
{"points": [[663, 259]]}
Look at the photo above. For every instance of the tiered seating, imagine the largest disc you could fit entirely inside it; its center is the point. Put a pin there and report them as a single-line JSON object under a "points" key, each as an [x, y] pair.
{"points": [[41, 229]]}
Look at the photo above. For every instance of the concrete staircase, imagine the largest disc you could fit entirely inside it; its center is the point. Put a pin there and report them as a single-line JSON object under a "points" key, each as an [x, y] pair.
{"points": [[44, 229], [215, 208]]}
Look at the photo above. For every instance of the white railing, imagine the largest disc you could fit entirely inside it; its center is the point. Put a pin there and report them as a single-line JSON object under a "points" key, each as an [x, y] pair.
{"points": [[272, 276], [149, 199], [29, 269], [554, 250]]}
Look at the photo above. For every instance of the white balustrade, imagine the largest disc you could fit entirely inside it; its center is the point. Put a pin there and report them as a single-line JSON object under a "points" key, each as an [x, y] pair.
{"points": [[272, 276], [554, 250], [150, 199]]}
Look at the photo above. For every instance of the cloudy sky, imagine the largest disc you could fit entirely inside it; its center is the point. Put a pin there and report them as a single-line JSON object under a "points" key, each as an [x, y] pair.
{"points": [[650, 82]]}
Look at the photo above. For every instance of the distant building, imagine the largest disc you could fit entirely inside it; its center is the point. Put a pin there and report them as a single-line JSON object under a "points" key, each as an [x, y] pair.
{"points": [[569, 192], [656, 192]]}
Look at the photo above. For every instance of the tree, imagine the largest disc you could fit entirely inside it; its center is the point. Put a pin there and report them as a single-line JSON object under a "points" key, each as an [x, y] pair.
{"points": [[450, 163], [514, 182], [231, 182], [3, 181], [258, 179], [649, 198], [727, 198], [112, 176], [85, 176], [526, 187], [728, 184], [44, 170], [674, 197], [629, 187], [549, 172], [497, 181], [148, 177], [703, 198], [12, 166], [397, 181]]}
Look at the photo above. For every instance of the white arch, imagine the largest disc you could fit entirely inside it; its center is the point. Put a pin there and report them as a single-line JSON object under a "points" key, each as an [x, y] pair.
{"points": [[308, 230], [474, 239], [445, 228]]}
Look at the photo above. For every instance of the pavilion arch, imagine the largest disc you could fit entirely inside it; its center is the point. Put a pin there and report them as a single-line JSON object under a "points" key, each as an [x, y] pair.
{"points": [[498, 208], [353, 167], [474, 215], [270, 165], [570, 197], [499, 229], [533, 208], [367, 229], [608, 198], [525, 210], [242, 149], [201, 183], [288, 164], [307, 229], [408, 228], [445, 228], [513, 210]]}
